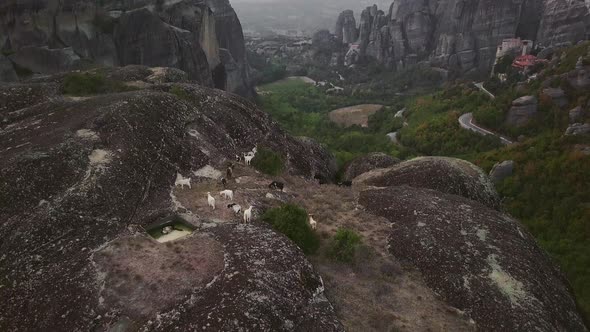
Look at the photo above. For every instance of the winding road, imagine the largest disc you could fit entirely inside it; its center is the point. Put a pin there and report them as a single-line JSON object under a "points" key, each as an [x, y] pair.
{"points": [[466, 121]]}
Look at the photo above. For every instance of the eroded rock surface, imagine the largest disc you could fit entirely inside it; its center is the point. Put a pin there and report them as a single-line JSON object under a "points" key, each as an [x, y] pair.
{"points": [[79, 175], [477, 259], [46, 37], [522, 111], [448, 175], [368, 163]]}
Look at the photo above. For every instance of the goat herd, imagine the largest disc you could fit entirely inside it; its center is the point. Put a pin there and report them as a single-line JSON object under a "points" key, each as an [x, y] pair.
{"points": [[229, 194]]}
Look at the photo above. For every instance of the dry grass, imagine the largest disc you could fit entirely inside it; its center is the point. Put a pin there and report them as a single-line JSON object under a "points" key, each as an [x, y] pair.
{"points": [[373, 294], [142, 275], [354, 115]]}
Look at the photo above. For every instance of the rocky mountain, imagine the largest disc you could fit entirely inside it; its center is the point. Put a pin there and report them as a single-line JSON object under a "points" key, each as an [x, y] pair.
{"points": [[81, 177], [85, 177], [463, 35], [204, 39]]}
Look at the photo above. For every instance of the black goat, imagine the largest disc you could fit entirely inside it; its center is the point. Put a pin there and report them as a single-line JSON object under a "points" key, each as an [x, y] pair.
{"points": [[276, 185]]}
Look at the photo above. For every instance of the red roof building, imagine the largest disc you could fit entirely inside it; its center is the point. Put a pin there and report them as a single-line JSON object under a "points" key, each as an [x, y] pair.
{"points": [[525, 61]]}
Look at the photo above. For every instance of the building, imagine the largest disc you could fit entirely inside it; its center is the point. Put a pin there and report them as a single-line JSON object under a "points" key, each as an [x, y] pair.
{"points": [[523, 62], [514, 45]]}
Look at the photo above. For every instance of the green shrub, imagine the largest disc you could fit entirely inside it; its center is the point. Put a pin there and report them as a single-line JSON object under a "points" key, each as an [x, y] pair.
{"points": [[179, 92], [268, 162], [344, 245], [84, 84], [291, 220]]}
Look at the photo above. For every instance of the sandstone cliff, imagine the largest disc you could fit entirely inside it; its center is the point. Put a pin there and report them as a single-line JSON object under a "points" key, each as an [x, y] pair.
{"points": [[50, 36], [463, 35]]}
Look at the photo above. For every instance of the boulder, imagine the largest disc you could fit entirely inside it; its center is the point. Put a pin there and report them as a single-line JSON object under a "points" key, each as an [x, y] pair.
{"points": [[100, 170], [7, 73], [523, 110], [502, 170], [368, 163], [449, 175], [556, 96], [576, 114], [477, 259], [577, 129], [525, 100]]}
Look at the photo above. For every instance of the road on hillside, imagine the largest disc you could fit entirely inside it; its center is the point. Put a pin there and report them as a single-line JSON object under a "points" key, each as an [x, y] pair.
{"points": [[466, 121], [484, 90]]}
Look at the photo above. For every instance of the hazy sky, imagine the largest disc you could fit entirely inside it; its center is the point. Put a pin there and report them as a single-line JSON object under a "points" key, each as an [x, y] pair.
{"points": [[302, 15]]}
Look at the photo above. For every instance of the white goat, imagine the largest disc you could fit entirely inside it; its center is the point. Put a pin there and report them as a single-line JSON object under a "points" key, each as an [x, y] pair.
{"points": [[254, 150], [228, 194], [248, 214], [248, 158], [211, 200], [182, 181], [237, 208], [312, 222]]}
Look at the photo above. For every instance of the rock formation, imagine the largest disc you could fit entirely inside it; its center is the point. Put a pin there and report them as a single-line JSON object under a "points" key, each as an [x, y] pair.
{"points": [[46, 37], [522, 111], [84, 179], [230, 38], [502, 170], [368, 163], [556, 96], [99, 170], [578, 129], [463, 35], [575, 114], [448, 175], [477, 259], [346, 31]]}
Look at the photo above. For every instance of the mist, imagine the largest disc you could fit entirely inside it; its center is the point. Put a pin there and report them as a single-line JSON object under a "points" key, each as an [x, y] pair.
{"points": [[302, 16]]}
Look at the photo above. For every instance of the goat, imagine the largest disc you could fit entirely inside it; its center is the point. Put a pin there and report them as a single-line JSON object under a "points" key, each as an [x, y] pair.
{"points": [[237, 208], [345, 184], [228, 194], [182, 181], [248, 158], [248, 214], [277, 185], [223, 182], [254, 150], [211, 200], [229, 172], [312, 222]]}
